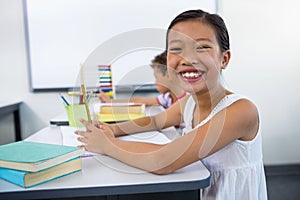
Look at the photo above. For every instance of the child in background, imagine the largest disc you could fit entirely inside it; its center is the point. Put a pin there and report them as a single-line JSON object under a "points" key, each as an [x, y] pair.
{"points": [[222, 128], [169, 92]]}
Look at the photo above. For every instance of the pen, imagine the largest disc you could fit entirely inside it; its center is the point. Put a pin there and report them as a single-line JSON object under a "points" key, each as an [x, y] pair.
{"points": [[64, 100], [88, 96]]}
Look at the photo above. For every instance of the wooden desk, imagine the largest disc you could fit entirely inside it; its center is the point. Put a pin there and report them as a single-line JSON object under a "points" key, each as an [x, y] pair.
{"points": [[7, 107], [108, 178]]}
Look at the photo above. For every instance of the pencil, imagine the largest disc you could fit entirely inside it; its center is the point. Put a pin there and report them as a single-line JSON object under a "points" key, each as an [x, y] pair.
{"points": [[86, 103], [84, 96]]}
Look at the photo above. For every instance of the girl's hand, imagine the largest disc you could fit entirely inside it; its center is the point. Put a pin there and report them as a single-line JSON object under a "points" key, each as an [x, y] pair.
{"points": [[96, 138], [98, 124], [104, 98]]}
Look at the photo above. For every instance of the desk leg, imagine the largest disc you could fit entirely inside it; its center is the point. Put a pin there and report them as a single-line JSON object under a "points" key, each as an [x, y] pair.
{"points": [[17, 122]]}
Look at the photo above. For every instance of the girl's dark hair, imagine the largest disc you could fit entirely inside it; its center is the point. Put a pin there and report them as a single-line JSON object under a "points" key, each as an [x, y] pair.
{"points": [[213, 20]]}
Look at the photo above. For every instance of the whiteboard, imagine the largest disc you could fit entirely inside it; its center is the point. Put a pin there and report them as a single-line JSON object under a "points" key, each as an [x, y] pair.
{"points": [[63, 34]]}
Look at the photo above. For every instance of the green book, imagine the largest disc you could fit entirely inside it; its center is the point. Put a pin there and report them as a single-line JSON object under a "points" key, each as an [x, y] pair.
{"points": [[33, 156], [30, 179]]}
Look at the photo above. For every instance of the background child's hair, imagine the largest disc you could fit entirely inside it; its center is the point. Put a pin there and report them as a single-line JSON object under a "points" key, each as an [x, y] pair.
{"points": [[160, 62]]}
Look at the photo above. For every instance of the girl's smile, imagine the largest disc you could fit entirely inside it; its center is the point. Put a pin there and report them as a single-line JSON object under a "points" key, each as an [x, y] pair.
{"points": [[191, 75]]}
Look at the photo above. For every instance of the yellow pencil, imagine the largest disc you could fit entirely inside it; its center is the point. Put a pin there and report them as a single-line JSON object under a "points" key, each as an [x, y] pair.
{"points": [[84, 96], [86, 103]]}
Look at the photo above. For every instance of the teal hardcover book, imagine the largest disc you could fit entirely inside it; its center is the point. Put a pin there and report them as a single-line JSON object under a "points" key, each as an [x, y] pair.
{"points": [[29, 179], [33, 156]]}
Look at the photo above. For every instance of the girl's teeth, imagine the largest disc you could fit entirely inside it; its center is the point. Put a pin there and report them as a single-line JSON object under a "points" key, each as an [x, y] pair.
{"points": [[190, 75]]}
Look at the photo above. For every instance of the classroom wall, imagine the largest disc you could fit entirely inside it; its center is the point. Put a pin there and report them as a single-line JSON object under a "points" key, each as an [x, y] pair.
{"points": [[37, 108], [264, 66]]}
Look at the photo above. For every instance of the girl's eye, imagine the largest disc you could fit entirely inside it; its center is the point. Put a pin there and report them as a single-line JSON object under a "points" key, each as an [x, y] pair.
{"points": [[175, 50], [202, 48]]}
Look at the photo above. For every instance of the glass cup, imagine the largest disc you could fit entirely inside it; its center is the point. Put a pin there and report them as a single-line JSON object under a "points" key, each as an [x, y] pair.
{"points": [[75, 113]]}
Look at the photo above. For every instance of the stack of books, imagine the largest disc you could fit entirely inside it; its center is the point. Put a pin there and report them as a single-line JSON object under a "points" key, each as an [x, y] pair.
{"points": [[114, 112], [30, 163]]}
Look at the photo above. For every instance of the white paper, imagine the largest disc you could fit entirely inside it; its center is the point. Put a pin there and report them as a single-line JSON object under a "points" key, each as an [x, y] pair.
{"points": [[69, 138]]}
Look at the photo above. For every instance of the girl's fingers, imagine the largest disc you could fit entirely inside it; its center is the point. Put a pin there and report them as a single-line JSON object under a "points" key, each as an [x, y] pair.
{"points": [[82, 133], [84, 147], [81, 139], [107, 130], [87, 125], [103, 127], [97, 123]]}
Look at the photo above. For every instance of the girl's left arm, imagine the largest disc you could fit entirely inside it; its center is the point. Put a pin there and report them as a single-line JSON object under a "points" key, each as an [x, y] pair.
{"points": [[238, 121]]}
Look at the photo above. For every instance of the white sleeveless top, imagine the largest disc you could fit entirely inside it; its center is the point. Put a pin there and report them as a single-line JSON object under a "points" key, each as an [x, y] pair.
{"points": [[237, 171]]}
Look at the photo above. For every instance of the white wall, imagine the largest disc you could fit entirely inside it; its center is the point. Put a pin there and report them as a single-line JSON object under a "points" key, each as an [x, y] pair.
{"points": [[264, 66], [38, 108]]}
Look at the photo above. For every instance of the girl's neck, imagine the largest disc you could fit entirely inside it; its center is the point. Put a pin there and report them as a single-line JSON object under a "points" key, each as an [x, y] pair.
{"points": [[208, 100], [205, 103]]}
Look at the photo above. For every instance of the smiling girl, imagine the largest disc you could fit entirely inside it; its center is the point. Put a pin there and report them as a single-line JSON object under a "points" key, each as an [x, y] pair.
{"points": [[222, 128]]}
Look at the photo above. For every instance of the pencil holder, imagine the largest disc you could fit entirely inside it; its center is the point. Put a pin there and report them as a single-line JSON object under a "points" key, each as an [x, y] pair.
{"points": [[75, 113]]}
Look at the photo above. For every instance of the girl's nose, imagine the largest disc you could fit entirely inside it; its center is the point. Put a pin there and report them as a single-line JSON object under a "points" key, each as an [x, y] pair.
{"points": [[189, 61]]}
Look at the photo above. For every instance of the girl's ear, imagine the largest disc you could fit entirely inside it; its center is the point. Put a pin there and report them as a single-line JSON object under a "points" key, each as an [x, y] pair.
{"points": [[225, 59]]}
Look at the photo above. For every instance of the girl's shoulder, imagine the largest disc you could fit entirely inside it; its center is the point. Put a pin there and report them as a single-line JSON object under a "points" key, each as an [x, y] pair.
{"points": [[239, 106], [240, 102], [244, 116]]}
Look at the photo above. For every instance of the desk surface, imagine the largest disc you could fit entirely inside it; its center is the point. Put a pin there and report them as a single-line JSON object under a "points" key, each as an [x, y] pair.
{"points": [[102, 175]]}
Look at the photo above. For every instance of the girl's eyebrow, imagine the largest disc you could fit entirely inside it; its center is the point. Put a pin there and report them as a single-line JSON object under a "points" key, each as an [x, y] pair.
{"points": [[196, 40], [203, 39], [175, 41]]}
